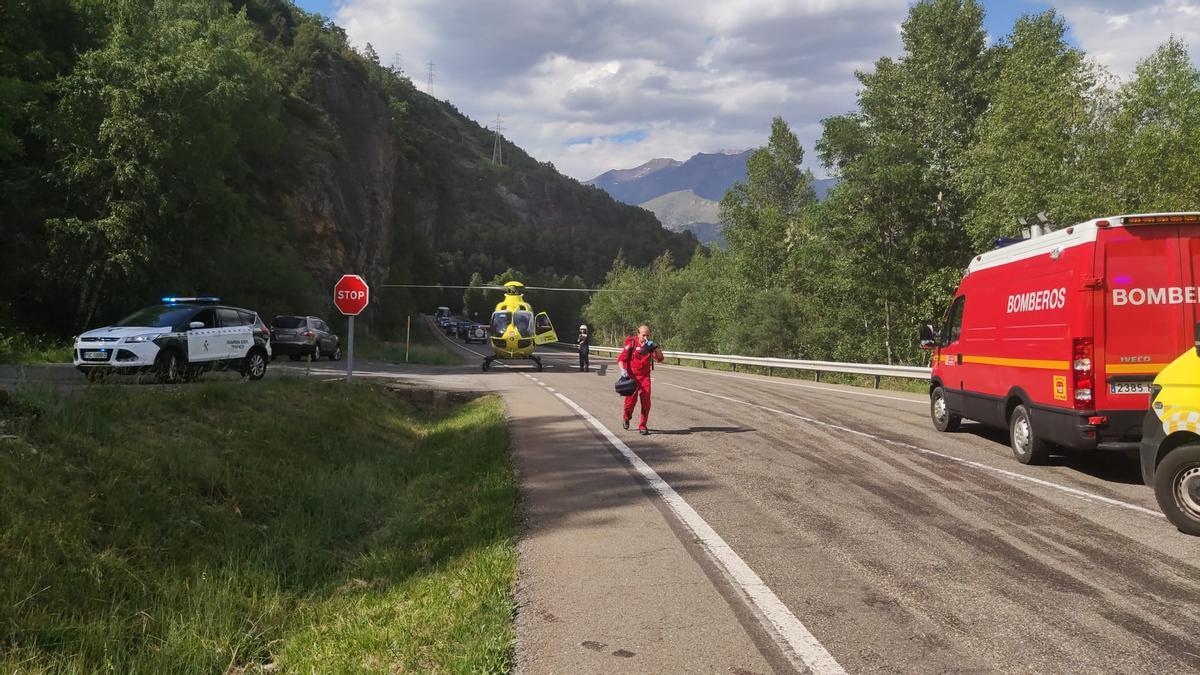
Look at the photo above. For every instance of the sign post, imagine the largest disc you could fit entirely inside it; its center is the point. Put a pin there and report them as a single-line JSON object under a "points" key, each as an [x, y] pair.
{"points": [[351, 295]]}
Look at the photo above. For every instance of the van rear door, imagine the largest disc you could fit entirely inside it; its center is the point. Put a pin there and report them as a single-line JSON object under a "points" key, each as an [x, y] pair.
{"points": [[1147, 312]]}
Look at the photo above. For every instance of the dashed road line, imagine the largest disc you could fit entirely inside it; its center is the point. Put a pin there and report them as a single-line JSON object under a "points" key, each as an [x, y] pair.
{"points": [[797, 643], [1074, 492]]}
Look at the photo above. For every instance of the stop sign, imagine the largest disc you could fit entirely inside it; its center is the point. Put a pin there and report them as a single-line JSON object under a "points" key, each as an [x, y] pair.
{"points": [[351, 294]]}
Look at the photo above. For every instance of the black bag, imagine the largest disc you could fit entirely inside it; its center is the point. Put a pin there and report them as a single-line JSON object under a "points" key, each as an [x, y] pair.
{"points": [[626, 385]]}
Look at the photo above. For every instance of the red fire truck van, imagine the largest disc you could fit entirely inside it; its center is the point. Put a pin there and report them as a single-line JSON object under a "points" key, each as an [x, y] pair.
{"points": [[1058, 337]]}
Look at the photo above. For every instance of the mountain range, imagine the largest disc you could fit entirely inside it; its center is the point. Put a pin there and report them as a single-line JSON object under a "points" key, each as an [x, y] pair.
{"points": [[685, 196]]}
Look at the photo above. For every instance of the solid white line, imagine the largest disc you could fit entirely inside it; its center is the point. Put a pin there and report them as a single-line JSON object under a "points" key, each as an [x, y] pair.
{"points": [[791, 635], [1075, 492]]}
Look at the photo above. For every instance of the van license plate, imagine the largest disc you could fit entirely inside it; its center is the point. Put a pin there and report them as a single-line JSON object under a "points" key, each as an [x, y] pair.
{"points": [[1129, 388]]}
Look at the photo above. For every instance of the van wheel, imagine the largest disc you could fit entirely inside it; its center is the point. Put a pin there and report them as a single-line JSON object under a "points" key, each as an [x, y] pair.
{"points": [[1026, 446], [943, 419], [168, 367], [1177, 488]]}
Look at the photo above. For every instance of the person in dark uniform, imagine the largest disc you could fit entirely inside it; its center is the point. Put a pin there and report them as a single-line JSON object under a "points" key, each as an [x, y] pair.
{"points": [[584, 342]]}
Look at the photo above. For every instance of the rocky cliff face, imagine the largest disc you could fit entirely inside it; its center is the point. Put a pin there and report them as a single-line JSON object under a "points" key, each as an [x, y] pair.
{"points": [[414, 196], [341, 205]]}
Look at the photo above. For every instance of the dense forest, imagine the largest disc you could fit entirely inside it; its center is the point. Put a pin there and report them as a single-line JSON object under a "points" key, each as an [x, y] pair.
{"points": [[950, 144], [243, 148]]}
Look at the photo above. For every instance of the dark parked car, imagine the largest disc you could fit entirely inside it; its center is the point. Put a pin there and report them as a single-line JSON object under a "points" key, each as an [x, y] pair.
{"points": [[298, 337]]}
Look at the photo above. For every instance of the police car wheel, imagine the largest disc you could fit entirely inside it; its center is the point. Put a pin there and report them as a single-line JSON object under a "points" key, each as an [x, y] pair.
{"points": [[943, 419], [1177, 488], [256, 365], [1026, 446], [168, 367]]}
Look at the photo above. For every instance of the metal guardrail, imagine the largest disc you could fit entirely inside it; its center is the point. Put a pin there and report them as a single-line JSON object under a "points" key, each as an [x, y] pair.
{"points": [[870, 369]]}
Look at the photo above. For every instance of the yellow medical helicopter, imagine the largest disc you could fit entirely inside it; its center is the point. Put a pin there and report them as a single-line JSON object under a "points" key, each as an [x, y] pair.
{"points": [[514, 330]]}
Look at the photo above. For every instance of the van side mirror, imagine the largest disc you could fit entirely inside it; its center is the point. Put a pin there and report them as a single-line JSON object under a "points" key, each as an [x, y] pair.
{"points": [[929, 336]]}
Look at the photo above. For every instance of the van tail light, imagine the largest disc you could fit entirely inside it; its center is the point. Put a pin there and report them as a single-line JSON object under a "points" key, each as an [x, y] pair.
{"points": [[1083, 373]]}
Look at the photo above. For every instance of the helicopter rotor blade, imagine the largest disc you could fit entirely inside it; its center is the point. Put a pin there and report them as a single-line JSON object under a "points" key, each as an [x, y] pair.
{"points": [[506, 288], [443, 286]]}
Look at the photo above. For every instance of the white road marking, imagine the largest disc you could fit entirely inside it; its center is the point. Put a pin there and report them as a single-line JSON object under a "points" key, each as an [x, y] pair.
{"points": [[1075, 492], [789, 633]]}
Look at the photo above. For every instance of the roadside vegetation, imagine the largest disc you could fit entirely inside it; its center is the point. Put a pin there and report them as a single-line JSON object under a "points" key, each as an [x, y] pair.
{"points": [[949, 144], [424, 349], [21, 348], [293, 526]]}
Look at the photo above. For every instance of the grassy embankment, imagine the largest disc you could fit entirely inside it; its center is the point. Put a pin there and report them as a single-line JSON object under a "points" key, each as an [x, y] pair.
{"points": [[424, 349], [225, 526]]}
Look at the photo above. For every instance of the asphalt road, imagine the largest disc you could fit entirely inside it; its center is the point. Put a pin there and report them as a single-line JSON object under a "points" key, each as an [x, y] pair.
{"points": [[776, 525], [896, 548]]}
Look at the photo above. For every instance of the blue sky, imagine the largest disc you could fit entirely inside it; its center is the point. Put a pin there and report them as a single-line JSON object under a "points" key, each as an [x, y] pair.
{"points": [[592, 85]]}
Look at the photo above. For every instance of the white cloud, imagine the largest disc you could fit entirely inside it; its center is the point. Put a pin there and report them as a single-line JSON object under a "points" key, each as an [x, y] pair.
{"points": [[675, 77], [1119, 33], [671, 77]]}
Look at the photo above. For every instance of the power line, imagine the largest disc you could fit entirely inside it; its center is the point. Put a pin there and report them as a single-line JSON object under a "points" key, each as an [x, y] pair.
{"points": [[498, 143]]}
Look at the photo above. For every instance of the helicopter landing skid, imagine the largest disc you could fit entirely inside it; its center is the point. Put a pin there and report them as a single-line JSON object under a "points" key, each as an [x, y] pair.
{"points": [[487, 362]]}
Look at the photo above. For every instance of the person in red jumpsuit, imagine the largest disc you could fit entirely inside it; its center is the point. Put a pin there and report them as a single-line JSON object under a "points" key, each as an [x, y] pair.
{"points": [[637, 360]]}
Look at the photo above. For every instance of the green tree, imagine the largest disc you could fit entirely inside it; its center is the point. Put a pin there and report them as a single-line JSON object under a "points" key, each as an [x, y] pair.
{"points": [[897, 211], [764, 216], [1034, 140], [1157, 123], [153, 130]]}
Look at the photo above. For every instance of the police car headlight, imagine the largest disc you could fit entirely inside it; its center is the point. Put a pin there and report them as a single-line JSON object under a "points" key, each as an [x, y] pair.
{"points": [[142, 338]]}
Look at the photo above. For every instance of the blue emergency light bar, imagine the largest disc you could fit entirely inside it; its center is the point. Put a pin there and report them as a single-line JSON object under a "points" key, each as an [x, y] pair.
{"points": [[206, 299]]}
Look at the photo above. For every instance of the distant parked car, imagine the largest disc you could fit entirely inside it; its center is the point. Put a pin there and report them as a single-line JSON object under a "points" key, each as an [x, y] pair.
{"points": [[298, 337], [472, 332], [450, 326]]}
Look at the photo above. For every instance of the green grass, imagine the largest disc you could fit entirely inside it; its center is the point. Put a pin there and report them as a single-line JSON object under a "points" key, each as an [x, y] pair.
{"points": [[224, 526], [21, 348], [424, 348]]}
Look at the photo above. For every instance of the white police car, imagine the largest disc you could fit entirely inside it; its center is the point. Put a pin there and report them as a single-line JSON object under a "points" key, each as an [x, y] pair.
{"points": [[177, 340]]}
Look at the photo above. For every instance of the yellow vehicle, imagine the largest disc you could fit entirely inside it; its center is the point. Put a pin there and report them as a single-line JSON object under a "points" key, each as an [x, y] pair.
{"points": [[516, 330], [1170, 451]]}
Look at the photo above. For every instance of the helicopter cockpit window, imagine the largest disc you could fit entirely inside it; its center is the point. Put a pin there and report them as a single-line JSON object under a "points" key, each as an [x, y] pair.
{"points": [[500, 322], [524, 322]]}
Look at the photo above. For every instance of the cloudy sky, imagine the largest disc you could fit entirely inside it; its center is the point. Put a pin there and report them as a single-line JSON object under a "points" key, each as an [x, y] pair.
{"points": [[593, 85]]}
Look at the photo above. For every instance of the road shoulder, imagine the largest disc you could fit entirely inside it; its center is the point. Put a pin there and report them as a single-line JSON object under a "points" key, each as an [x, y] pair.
{"points": [[605, 584]]}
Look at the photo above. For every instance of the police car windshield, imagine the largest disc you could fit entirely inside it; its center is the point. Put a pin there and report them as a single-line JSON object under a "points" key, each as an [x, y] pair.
{"points": [[159, 316]]}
